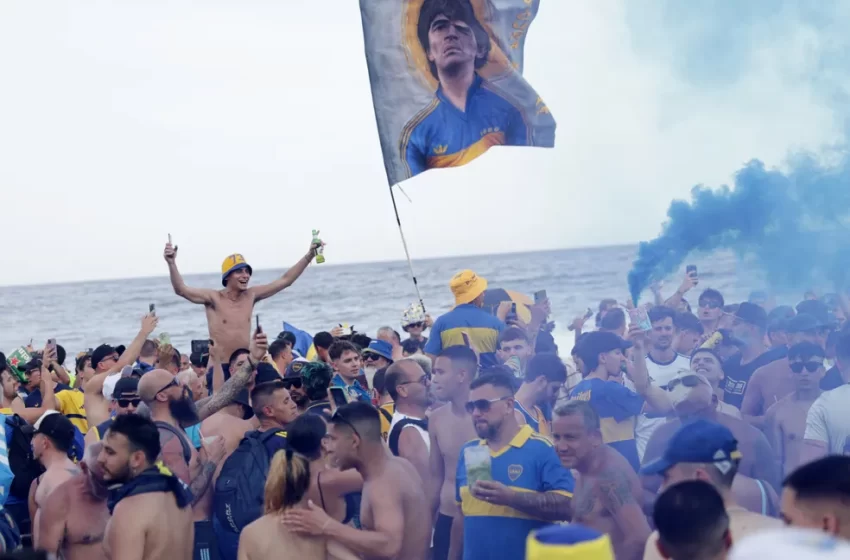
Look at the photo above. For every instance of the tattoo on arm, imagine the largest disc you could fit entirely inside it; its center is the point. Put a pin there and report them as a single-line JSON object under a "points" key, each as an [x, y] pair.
{"points": [[202, 481], [615, 491], [545, 505], [224, 396]]}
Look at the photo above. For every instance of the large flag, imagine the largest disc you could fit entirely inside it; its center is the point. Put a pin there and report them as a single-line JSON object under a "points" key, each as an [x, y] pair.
{"points": [[447, 81]]}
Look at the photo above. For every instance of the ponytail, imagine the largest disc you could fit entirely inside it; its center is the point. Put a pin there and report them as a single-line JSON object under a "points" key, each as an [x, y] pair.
{"points": [[288, 481]]}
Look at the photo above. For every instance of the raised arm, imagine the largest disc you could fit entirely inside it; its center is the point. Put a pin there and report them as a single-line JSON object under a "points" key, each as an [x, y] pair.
{"points": [[48, 398], [690, 281], [238, 380], [290, 276], [195, 295], [657, 399]]}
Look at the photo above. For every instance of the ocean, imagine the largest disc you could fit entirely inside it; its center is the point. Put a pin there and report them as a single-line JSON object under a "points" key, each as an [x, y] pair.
{"points": [[367, 296]]}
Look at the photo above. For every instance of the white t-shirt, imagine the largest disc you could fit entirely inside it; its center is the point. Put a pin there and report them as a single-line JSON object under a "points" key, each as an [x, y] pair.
{"points": [[660, 375], [829, 420], [398, 417]]}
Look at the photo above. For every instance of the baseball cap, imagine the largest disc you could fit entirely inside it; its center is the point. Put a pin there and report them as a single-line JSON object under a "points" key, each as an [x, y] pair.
{"points": [[790, 543], [266, 373], [32, 365], [55, 426], [571, 541], [753, 314], [381, 348], [802, 322], [243, 399], [101, 352], [295, 367], [820, 311], [599, 342], [125, 386], [466, 286], [233, 263], [700, 441], [778, 318]]}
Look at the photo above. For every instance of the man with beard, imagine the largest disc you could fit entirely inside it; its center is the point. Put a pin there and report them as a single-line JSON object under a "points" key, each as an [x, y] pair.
{"points": [[125, 400], [750, 325], [408, 436], [75, 515], [449, 427], [394, 500], [229, 310], [379, 354], [294, 383], [526, 487], [693, 399], [785, 421], [315, 379], [51, 442], [544, 377], [608, 494], [662, 364], [150, 507]]}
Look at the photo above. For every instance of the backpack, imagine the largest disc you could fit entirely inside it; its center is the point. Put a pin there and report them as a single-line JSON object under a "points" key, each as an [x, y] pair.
{"points": [[239, 490], [23, 464], [395, 433], [187, 451]]}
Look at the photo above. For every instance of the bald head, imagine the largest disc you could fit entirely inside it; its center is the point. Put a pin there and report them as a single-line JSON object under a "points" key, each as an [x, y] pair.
{"points": [[153, 383], [400, 373], [91, 453]]}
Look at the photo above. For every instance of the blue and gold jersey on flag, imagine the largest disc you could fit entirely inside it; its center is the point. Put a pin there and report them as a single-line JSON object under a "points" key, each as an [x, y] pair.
{"points": [[528, 464], [618, 408], [483, 330]]}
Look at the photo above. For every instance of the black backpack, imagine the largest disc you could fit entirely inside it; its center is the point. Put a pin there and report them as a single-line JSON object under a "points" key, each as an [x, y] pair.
{"points": [[395, 433], [21, 460], [238, 498]]}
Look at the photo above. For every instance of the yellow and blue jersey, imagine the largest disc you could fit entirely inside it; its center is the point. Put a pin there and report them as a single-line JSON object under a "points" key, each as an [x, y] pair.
{"points": [[527, 464], [618, 408], [441, 135], [482, 327], [535, 418]]}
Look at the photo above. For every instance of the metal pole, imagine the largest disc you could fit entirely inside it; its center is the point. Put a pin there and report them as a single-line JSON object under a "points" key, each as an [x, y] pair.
{"points": [[406, 251]]}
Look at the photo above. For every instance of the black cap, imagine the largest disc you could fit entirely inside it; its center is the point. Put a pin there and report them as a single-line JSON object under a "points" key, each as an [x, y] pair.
{"points": [[243, 399], [295, 367], [58, 428], [594, 343], [803, 322], [3, 364], [101, 352], [819, 311], [266, 373], [125, 386], [753, 314], [778, 318], [32, 365]]}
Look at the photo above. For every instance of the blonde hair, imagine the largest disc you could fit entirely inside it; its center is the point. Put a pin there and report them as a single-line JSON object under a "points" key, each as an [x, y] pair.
{"points": [[288, 481]]}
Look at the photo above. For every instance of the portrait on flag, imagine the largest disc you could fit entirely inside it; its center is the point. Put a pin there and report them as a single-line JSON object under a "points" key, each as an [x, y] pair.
{"points": [[447, 81]]}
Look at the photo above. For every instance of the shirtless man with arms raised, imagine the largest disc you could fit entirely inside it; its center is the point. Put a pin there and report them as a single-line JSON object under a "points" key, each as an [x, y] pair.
{"points": [[608, 493], [449, 427], [151, 508], [51, 442], [393, 495], [74, 517], [229, 310], [785, 421]]}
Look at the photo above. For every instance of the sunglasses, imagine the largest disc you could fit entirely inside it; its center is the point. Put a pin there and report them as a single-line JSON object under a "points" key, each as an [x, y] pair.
{"points": [[416, 326], [710, 304], [483, 404], [811, 367], [124, 403], [292, 383], [370, 357], [172, 383], [339, 418], [689, 381]]}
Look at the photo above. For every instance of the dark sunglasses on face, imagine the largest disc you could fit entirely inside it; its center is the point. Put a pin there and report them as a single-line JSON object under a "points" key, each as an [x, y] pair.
{"points": [[711, 304], [416, 326], [811, 367], [292, 383], [369, 357], [124, 403], [482, 404]]}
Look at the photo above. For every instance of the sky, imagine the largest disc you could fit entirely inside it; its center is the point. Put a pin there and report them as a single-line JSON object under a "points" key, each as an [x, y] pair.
{"points": [[241, 126]]}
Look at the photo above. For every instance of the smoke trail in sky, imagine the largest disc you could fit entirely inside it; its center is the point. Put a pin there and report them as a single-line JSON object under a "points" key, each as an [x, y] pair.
{"points": [[794, 225]]}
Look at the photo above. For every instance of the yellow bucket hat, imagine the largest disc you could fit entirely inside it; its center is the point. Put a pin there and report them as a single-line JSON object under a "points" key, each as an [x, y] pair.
{"points": [[566, 542], [466, 286], [232, 263]]}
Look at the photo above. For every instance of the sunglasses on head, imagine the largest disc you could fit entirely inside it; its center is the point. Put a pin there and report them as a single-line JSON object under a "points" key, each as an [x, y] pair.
{"points": [[482, 404], [687, 380], [339, 418], [124, 403], [292, 383], [811, 367]]}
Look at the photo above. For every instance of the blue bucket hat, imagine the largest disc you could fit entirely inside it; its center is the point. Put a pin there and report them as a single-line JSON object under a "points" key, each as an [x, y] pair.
{"points": [[381, 348]]}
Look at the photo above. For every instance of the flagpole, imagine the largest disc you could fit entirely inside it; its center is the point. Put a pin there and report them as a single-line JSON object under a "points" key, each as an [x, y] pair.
{"points": [[406, 251]]}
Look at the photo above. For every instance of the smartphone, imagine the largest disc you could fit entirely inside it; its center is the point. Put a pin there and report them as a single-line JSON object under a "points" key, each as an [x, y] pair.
{"points": [[169, 239], [51, 343], [201, 347], [152, 309], [589, 313], [339, 396], [540, 296], [691, 270], [346, 329], [259, 328]]}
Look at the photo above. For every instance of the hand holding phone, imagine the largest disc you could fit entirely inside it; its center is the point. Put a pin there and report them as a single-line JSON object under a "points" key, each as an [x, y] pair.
{"points": [[259, 328], [152, 309], [540, 296]]}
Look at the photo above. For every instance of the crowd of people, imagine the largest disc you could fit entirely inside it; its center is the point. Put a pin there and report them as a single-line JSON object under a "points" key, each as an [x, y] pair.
{"points": [[664, 433]]}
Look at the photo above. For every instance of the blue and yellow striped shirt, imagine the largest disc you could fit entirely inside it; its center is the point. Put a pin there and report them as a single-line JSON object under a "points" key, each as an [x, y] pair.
{"points": [[482, 327]]}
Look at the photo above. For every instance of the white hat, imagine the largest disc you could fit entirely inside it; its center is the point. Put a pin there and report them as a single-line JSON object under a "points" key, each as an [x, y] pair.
{"points": [[790, 544]]}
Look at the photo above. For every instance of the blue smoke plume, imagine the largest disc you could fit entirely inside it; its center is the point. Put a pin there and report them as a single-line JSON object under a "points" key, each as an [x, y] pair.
{"points": [[794, 225]]}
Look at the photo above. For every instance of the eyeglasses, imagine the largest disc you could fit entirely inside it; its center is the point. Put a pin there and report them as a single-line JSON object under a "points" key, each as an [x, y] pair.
{"points": [[292, 382], [423, 380], [124, 403], [172, 383], [339, 418], [687, 380], [711, 304], [811, 367], [483, 404]]}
